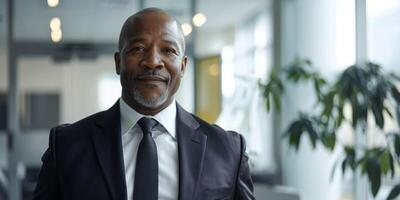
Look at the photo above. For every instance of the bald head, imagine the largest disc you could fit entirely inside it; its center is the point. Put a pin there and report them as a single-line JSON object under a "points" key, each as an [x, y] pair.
{"points": [[148, 14]]}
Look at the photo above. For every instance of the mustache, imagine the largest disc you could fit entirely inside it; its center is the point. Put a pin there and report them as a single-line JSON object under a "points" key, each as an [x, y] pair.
{"points": [[151, 74]]}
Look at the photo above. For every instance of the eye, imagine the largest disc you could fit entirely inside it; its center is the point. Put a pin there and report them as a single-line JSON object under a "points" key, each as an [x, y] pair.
{"points": [[170, 50], [136, 49]]}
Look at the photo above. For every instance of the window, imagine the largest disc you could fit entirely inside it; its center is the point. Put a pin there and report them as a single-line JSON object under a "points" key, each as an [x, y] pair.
{"points": [[40, 110], [243, 65]]}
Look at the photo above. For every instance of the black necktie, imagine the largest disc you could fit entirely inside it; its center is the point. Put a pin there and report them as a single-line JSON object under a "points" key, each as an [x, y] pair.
{"points": [[146, 172]]}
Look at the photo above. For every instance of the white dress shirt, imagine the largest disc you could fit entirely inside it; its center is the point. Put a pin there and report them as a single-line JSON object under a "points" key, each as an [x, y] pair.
{"points": [[164, 135]]}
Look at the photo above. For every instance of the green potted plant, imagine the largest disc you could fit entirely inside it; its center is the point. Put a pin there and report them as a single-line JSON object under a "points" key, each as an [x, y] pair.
{"points": [[368, 92]]}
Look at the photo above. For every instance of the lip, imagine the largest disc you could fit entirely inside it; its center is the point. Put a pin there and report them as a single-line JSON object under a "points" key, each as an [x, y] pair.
{"points": [[151, 78]]}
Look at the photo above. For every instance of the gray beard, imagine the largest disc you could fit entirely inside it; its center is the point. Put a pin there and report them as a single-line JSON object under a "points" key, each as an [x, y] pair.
{"points": [[148, 102]]}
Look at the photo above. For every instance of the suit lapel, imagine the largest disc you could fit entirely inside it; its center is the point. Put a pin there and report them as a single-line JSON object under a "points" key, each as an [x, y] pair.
{"points": [[191, 147], [108, 146]]}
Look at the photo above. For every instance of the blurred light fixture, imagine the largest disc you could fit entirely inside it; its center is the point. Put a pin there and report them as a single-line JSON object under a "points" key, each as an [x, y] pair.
{"points": [[53, 3], [186, 28], [55, 23], [199, 19], [56, 35]]}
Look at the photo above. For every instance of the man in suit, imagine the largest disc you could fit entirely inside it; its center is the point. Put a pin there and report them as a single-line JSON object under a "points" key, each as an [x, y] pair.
{"points": [[146, 146]]}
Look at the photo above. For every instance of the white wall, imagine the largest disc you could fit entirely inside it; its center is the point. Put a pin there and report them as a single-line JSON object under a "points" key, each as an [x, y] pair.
{"points": [[76, 81]]}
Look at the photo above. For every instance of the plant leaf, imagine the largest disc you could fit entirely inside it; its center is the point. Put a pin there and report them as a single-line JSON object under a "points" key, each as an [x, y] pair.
{"points": [[319, 82], [397, 144], [328, 140], [312, 133], [385, 163], [359, 110], [340, 117], [377, 110], [344, 163], [394, 192], [376, 98], [350, 158], [374, 174], [327, 103], [391, 161], [397, 110], [276, 96], [395, 93], [362, 163], [268, 103], [396, 97], [343, 85], [294, 133]]}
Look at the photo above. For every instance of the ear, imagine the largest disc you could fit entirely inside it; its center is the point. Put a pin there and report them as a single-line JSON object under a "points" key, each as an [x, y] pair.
{"points": [[117, 60], [183, 65]]}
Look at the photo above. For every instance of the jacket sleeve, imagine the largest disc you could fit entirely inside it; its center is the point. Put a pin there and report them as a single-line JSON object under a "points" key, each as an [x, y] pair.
{"points": [[244, 184], [47, 186]]}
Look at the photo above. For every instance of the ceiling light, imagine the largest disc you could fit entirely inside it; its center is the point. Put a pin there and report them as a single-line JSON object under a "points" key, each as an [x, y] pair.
{"points": [[55, 23], [199, 19], [56, 35], [186, 28], [53, 3]]}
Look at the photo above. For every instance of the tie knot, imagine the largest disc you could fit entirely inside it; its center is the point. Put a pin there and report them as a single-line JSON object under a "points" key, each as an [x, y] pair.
{"points": [[147, 124]]}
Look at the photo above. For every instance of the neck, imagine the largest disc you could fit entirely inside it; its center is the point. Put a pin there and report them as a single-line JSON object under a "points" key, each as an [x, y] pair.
{"points": [[143, 109]]}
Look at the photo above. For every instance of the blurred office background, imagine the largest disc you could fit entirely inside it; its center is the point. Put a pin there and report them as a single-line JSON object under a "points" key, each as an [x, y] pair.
{"points": [[56, 66]]}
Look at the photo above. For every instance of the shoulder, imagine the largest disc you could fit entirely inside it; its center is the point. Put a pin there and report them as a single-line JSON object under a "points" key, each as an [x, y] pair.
{"points": [[215, 129], [79, 125], [112, 115], [219, 136], [75, 133]]}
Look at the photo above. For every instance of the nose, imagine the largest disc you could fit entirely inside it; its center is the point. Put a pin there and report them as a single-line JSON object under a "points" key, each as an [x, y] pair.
{"points": [[152, 59]]}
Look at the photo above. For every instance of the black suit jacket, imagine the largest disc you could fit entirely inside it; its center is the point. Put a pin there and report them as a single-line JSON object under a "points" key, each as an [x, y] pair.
{"points": [[85, 161]]}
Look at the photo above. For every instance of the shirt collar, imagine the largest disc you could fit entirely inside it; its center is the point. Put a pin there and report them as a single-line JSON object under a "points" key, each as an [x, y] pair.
{"points": [[165, 117]]}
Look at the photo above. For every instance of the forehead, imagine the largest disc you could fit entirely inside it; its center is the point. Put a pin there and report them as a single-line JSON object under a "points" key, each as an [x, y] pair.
{"points": [[152, 25]]}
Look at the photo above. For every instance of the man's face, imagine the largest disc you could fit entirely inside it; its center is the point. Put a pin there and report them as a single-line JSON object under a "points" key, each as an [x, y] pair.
{"points": [[151, 62]]}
